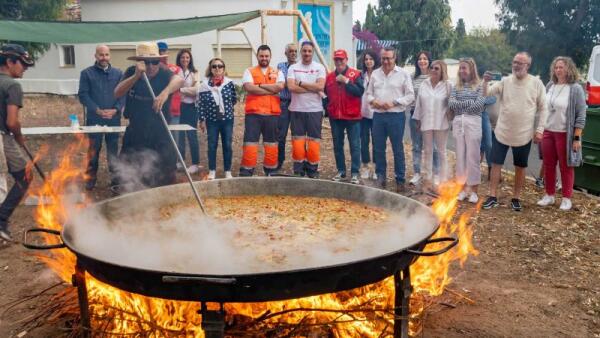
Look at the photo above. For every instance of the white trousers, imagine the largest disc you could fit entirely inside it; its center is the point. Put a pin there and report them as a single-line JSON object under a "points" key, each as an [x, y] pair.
{"points": [[440, 137], [467, 133]]}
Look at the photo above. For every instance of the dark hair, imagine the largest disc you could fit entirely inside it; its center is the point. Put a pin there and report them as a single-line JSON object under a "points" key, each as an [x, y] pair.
{"points": [[5, 58], [178, 60], [390, 49], [307, 43], [263, 47], [417, 68], [373, 55]]}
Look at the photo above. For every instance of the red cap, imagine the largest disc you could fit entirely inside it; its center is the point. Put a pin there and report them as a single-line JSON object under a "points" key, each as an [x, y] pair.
{"points": [[340, 54]]}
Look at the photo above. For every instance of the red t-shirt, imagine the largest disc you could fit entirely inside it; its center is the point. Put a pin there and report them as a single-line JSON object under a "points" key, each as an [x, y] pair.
{"points": [[175, 108]]}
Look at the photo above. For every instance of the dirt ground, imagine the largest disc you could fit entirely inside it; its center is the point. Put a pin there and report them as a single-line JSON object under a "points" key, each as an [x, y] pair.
{"points": [[537, 274]]}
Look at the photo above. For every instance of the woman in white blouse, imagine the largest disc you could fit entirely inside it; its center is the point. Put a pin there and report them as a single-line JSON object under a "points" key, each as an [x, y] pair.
{"points": [[431, 116]]}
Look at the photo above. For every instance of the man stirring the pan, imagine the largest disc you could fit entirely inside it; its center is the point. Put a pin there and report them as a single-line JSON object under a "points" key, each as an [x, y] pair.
{"points": [[14, 61], [147, 155]]}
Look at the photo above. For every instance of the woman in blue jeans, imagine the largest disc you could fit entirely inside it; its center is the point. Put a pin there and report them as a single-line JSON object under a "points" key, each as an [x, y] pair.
{"points": [[189, 114], [216, 101]]}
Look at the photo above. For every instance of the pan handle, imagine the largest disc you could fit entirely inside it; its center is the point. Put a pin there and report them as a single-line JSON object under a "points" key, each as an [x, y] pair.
{"points": [[187, 279], [42, 247], [453, 241]]}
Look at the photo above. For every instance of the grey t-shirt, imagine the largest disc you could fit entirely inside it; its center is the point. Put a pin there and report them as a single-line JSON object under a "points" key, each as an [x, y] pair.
{"points": [[10, 94]]}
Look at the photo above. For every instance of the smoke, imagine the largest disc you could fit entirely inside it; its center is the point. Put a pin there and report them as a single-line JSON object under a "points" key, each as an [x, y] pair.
{"points": [[190, 242], [136, 170]]}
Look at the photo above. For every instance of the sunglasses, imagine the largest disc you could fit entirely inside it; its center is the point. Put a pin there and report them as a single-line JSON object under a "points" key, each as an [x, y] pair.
{"points": [[217, 66], [152, 62]]}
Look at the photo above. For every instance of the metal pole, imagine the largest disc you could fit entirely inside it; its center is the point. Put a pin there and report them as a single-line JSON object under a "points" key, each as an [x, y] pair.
{"points": [[174, 144], [37, 167]]}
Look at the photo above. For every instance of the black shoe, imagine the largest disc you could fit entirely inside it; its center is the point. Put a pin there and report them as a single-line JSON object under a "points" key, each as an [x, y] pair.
{"points": [[515, 204], [380, 183], [490, 202], [400, 188], [312, 174], [299, 173], [539, 182], [5, 235], [90, 184]]}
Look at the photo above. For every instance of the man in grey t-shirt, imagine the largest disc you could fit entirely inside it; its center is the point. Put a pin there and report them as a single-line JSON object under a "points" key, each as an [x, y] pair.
{"points": [[14, 61]]}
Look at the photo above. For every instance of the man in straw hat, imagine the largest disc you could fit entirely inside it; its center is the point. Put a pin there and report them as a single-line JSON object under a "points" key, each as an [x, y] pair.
{"points": [[146, 146], [14, 61]]}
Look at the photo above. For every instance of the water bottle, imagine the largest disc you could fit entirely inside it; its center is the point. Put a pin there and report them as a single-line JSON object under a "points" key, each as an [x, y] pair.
{"points": [[74, 121]]}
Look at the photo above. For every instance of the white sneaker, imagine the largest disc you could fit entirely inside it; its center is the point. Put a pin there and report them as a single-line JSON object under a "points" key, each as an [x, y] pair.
{"points": [[473, 198], [461, 196], [212, 174], [193, 169], [546, 201], [565, 204], [374, 177], [436, 180], [179, 167], [228, 174], [364, 172], [558, 185], [415, 179]]}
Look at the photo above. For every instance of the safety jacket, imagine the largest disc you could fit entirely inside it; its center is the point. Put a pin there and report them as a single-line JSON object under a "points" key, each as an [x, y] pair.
{"points": [[341, 105], [263, 104]]}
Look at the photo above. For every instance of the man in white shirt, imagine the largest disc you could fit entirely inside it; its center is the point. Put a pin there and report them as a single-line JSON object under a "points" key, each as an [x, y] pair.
{"points": [[263, 84], [306, 81], [390, 93], [521, 118]]}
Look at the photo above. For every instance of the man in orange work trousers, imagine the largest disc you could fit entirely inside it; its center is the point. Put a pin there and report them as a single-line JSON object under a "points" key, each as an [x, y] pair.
{"points": [[262, 83]]}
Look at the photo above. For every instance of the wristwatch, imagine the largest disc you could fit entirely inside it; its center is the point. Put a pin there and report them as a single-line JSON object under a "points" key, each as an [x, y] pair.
{"points": [[576, 138]]}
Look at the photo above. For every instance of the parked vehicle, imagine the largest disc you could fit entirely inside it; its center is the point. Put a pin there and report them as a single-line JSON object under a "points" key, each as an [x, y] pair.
{"points": [[593, 81]]}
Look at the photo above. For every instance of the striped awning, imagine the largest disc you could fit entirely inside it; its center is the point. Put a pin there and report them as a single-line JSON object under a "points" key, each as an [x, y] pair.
{"points": [[362, 44]]}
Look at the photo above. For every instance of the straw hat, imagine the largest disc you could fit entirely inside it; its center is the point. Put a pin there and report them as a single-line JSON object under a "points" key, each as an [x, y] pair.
{"points": [[146, 51]]}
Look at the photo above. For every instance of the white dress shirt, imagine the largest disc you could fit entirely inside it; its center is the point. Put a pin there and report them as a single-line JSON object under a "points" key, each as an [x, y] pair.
{"points": [[432, 105], [395, 87]]}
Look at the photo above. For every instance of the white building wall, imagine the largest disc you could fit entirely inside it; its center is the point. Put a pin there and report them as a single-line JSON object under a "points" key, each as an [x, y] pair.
{"points": [[48, 77]]}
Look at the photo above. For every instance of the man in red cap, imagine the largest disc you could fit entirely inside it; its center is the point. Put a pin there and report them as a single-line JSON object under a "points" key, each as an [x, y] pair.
{"points": [[344, 89], [14, 61]]}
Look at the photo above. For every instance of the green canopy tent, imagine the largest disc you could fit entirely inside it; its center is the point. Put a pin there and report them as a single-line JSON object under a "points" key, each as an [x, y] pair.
{"points": [[119, 31]]}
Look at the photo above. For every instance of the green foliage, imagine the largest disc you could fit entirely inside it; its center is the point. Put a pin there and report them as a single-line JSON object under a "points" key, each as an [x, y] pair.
{"points": [[420, 25], [369, 19], [547, 29], [488, 47], [32, 10], [460, 29]]}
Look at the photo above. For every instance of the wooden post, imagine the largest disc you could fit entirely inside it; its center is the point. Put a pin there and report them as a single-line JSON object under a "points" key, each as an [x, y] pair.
{"points": [[263, 28], [219, 43]]}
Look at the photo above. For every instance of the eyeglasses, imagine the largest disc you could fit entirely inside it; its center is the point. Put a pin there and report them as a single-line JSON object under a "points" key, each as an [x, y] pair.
{"points": [[385, 58], [519, 63], [152, 62], [217, 66]]}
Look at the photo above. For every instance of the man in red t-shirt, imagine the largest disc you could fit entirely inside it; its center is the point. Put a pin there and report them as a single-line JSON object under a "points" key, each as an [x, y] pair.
{"points": [[175, 108]]}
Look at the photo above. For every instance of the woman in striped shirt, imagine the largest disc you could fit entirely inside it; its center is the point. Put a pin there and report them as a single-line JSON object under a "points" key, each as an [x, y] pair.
{"points": [[467, 104]]}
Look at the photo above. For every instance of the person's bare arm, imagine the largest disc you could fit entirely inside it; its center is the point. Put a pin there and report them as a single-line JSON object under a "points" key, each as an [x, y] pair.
{"points": [[253, 89], [174, 85], [294, 88], [125, 85], [273, 88], [13, 124], [314, 87]]}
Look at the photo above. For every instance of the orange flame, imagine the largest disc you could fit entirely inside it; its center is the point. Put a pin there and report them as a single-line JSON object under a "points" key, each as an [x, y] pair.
{"points": [[126, 313]]}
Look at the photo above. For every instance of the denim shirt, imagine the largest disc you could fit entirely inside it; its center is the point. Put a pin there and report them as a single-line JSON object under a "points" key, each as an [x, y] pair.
{"points": [[285, 94], [96, 90]]}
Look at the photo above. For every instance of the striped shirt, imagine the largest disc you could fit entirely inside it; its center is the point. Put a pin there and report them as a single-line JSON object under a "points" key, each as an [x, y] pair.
{"points": [[416, 81], [467, 100]]}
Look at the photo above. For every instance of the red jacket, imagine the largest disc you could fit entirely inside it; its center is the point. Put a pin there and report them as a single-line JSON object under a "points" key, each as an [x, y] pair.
{"points": [[175, 108], [341, 105]]}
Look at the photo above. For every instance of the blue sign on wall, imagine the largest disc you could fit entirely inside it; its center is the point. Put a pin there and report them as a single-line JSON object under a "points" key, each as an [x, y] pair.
{"points": [[319, 20]]}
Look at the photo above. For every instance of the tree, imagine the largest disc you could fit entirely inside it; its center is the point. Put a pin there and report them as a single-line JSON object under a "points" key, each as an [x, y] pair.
{"points": [[489, 48], [32, 10], [419, 25], [547, 29], [357, 26], [460, 29], [369, 18]]}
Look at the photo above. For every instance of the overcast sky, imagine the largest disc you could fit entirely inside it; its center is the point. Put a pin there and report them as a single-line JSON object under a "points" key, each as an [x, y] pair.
{"points": [[476, 13]]}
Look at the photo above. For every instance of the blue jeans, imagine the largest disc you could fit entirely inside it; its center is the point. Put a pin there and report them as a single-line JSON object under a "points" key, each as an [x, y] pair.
{"points": [[366, 126], [283, 125], [189, 116], [389, 125], [338, 129], [225, 129], [486, 137], [416, 138], [95, 146], [176, 134]]}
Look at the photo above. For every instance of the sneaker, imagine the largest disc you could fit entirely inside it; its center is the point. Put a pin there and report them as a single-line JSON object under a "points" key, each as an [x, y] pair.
{"points": [[415, 179], [354, 179], [179, 167], [546, 201], [193, 169], [340, 176], [558, 185], [228, 174], [313, 174], [364, 172], [515, 204], [566, 204], [490, 202], [539, 182], [212, 174], [473, 198], [5, 235], [374, 177], [461, 196], [400, 188]]}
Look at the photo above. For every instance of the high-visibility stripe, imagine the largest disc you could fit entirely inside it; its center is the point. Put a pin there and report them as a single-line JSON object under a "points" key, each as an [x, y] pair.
{"points": [[313, 154], [250, 156], [299, 149], [271, 150]]}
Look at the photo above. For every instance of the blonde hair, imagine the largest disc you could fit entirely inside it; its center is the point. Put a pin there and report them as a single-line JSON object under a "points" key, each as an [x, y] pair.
{"points": [[208, 73], [572, 72], [443, 70], [474, 81]]}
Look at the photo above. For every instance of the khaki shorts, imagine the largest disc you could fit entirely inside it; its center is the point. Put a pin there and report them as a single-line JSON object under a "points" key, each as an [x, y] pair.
{"points": [[13, 159]]}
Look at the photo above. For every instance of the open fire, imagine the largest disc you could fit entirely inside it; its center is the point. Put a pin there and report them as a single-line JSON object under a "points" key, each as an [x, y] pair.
{"points": [[363, 312]]}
